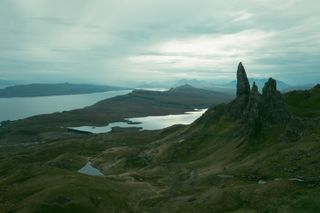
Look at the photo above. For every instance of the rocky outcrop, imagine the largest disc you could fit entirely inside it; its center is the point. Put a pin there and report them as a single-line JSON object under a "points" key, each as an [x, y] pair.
{"points": [[256, 110], [243, 86], [297, 127], [253, 111], [274, 109], [238, 106], [293, 131]]}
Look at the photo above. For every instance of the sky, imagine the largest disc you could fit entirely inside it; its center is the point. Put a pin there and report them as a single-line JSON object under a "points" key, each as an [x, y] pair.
{"points": [[116, 41]]}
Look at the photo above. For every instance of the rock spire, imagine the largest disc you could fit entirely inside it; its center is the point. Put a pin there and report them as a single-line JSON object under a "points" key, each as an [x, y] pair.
{"points": [[243, 86], [256, 110], [253, 112], [274, 107]]}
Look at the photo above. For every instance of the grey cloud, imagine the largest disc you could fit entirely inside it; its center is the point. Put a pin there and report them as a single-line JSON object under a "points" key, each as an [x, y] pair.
{"points": [[92, 40], [53, 20]]}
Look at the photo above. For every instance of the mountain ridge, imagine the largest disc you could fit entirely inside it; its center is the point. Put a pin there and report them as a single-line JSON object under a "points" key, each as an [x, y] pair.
{"points": [[36, 90]]}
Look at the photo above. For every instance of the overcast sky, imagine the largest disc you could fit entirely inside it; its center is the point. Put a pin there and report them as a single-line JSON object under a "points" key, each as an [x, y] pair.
{"points": [[104, 41]]}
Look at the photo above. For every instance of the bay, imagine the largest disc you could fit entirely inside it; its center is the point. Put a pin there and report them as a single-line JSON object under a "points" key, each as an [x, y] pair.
{"points": [[19, 108]]}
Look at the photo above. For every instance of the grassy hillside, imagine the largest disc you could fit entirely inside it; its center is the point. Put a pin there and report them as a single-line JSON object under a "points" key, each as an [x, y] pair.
{"points": [[304, 103], [208, 166]]}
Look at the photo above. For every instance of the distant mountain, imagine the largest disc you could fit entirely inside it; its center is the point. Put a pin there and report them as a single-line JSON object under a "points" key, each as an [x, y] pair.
{"points": [[207, 85], [188, 89], [260, 83], [6, 83], [195, 83], [34, 90], [299, 87], [228, 87], [203, 84]]}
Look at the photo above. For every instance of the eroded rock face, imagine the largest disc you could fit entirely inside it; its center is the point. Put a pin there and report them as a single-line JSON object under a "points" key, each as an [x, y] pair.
{"points": [[274, 109], [257, 110], [293, 131], [243, 86], [238, 106], [253, 112]]}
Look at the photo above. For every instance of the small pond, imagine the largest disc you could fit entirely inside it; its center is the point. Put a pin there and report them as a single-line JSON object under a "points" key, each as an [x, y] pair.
{"points": [[88, 169]]}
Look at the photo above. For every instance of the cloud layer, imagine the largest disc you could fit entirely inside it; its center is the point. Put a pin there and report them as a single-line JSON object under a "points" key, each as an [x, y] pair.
{"points": [[110, 41]]}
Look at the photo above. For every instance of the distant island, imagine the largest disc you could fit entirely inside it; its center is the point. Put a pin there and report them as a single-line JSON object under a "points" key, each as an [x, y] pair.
{"points": [[36, 90]]}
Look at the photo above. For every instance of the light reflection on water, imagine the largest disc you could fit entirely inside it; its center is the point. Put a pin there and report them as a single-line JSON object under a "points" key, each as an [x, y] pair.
{"points": [[18, 108], [90, 170], [146, 123]]}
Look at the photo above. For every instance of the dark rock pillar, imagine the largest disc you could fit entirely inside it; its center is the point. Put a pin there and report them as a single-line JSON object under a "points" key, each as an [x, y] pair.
{"points": [[243, 86], [238, 107], [274, 108], [253, 113]]}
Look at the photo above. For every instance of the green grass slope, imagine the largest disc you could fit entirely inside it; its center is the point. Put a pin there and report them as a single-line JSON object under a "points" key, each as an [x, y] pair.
{"points": [[304, 103], [208, 166]]}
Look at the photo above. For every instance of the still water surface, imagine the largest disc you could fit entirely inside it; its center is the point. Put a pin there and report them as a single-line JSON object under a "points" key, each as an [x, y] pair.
{"points": [[18, 108], [88, 169], [147, 123]]}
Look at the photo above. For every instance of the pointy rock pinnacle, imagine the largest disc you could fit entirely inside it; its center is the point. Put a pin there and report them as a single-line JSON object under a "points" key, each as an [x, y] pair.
{"points": [[270, 86], [274, 107], [254, 88], [253, 114], [243, 86]]}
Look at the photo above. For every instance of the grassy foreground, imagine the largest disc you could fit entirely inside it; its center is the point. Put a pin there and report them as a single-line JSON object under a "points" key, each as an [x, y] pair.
{"points": [[204, 167]]}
